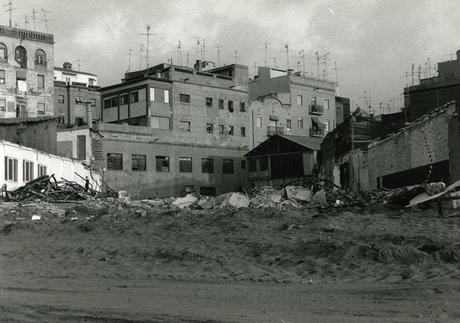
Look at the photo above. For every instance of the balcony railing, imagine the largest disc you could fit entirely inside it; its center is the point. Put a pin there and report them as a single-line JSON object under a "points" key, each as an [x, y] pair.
{"points": [[316, 109], [317, 132], [271, 130]]}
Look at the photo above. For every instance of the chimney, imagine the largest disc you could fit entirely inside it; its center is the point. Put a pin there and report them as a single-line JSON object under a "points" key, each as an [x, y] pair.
{"points": [[198, 66], [290, 71], [67, 66]]}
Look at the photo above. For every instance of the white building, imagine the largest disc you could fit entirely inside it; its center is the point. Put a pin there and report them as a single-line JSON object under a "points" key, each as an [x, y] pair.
{"points": [[68, 75]]}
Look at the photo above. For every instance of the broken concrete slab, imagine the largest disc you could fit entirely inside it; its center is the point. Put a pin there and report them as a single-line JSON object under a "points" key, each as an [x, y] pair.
{"points": [[298, 193], [319, 198], [186, 201], [237, 200]]}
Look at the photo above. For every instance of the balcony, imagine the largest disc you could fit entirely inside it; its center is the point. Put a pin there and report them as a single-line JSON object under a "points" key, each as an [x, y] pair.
{"points": [[316, 109], [317, 132], [272, 130]]}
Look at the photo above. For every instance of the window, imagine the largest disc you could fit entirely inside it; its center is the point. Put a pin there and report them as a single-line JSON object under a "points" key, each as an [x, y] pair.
{"points": [[114, 161], [138, 162], [300, 122], [41, 108], [243, 131], [185, 164], [221, 129], [230, 106], [41, 170], [326, 104], [2, 104], [207, 165], [60, 99], [185, 126], [208, 191], [124, 99], [221, 104], [227, 166], [166, 95], [11, 169], [93, 102], [188, 189], [81, 147], [162, 163], [259, 122], [3, 52], [134, 97], [263, 163], [40, 81], [230, 130], [40, 57], [20, 56], [252, 165], [27, 171], [243, 164], [91, 81], [152, 94], [159, 123], [184, 98], [210, 128], [288, 124], [79, 121], [242, 106], [299, 100], [209, 102], [2, 76]]}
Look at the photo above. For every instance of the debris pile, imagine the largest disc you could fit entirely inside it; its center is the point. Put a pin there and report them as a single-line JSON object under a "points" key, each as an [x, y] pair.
{"points": [[47, 188]]}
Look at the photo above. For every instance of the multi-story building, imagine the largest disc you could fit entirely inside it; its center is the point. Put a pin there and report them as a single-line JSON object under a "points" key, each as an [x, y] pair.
{"points": [[290, 103], [176, 129], [433, 92], [73, 91], [26, 73]]}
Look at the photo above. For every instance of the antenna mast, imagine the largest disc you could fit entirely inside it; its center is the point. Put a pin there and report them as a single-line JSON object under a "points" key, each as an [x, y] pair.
{"points": [[45, 19], [130, 53], [179, 52], [218, 54], [10, 11], [302, 56], [147, 50], [236, 56], [287, 55], [266, 53], [34, 17]]}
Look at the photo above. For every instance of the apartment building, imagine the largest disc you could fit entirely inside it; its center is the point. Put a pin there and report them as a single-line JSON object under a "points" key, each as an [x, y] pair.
{"points": [[26, 73], [288, 103], [73, 92], [172, 129]]}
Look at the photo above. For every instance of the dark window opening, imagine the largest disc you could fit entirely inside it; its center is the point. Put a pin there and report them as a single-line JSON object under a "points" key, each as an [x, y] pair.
{"points": [[207, 165], [242, 107], [114, 161], [230, 106], [221, 104], [210, 128], [162, 164], [134, 97], [185, 164], [184, 98], [138, 162], [227, 166], [209, 102]]}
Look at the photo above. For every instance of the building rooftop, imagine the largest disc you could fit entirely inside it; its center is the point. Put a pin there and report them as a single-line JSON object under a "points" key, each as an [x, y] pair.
{"points": [[13, 121], [26, 34], [70, 71]]}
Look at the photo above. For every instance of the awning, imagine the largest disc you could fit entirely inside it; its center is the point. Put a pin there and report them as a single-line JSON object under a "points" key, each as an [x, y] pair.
{"points": [[318, 123]]}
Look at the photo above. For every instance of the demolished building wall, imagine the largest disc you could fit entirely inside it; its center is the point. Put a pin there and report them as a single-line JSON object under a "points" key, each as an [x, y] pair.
{"points": [[20, 164], [415, 154]]}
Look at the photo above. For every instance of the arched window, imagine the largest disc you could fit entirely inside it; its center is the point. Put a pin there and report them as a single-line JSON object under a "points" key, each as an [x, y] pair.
{"points": [[40, 57], [3, 52], [20, 56]]}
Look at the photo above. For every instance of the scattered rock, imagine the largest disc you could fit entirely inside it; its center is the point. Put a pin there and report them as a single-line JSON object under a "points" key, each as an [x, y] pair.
{"points": [[36, 217], [186, 201], [237, 200], [319, 198]]}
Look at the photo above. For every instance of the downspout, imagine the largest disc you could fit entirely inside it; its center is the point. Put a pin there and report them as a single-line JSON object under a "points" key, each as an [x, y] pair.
{"points": [[252, 122], [68, 104]]}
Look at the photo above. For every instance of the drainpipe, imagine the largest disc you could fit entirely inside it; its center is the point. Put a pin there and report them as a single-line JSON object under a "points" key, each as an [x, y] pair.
{"points": [[68, 104], [252, 122]]}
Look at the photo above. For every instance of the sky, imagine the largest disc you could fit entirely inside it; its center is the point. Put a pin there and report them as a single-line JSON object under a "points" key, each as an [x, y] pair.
{"points": [[372, 43]]}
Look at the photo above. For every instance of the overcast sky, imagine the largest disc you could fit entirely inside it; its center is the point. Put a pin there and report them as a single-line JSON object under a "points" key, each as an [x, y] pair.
{"points": [[373, 42]]}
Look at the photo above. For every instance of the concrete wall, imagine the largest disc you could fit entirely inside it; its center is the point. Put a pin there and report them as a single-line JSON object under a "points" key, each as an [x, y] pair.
{"points": [[37, 135], [32, 96], [59, 166], [128, 140], [422, 144], [67, 143]]}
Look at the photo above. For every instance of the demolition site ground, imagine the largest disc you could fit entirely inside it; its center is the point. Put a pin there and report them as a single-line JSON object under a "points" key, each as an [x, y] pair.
{"points": [[105, 261]]}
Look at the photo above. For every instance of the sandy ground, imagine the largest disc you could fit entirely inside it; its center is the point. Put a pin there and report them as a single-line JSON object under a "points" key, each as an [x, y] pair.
{"points": [[96, 262]]}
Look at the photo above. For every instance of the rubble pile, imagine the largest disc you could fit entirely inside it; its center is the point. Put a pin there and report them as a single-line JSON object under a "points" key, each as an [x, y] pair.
{"points": [[47, 188]]}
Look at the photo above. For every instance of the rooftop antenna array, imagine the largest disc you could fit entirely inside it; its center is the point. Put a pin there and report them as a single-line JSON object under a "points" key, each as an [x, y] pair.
{"points": [[147, 49], [321, 59], [26, 21], [141, 50], [179, 53], [10, 11], [130, 53], [302, 57], [45, 19], [218, 54], [200, 48], [34, 18]]}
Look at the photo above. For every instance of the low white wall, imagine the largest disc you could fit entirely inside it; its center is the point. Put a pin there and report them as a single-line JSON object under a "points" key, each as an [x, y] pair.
{"points": [[61, 167]]}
